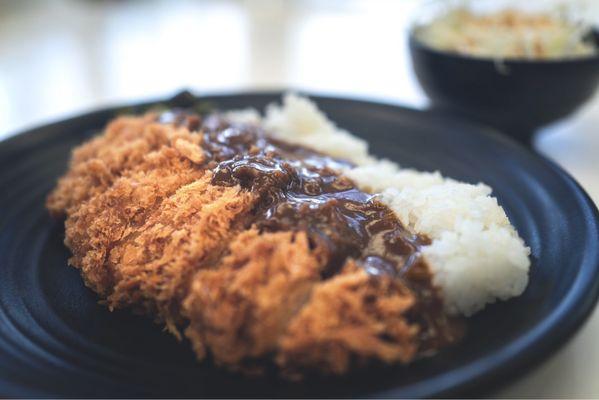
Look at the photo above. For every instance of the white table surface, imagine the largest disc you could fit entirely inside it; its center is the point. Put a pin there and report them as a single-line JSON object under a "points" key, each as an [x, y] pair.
{"points": [[61, 57]]}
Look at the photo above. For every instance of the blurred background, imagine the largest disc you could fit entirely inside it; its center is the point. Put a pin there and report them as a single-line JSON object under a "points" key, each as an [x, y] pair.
{"points": [[62, 57]]}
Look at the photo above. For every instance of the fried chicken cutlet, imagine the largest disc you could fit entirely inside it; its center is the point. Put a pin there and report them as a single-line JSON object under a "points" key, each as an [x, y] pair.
{"points": [[258, 250]]}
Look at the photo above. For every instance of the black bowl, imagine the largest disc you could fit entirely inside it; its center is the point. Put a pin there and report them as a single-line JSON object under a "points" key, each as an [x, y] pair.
{"points": [[515, 96]]}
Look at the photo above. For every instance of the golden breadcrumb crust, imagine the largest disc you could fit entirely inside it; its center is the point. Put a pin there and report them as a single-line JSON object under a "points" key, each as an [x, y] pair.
{"points": [[149, 232]]}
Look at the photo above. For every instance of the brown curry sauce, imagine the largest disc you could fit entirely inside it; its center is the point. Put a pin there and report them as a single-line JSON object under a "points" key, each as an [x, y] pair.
{"points": [[301, 189]]}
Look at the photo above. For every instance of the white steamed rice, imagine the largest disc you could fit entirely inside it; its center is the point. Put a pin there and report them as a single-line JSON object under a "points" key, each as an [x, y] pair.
{"points": [[476, 255]]}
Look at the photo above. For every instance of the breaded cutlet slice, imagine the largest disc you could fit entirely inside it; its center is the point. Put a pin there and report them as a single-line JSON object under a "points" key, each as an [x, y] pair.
{"points": [[138, 243], [268, 299], [96, 225], [188, 232], [240, 309], [138, 234], [349, 320], [96, 164]]}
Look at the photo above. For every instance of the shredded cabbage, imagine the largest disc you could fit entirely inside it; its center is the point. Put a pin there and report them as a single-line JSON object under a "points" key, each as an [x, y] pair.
{"points": [[507, 34]]}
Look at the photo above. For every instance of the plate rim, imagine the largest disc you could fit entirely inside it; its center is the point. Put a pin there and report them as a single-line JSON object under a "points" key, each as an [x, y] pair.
{"points": [[483, 375]]}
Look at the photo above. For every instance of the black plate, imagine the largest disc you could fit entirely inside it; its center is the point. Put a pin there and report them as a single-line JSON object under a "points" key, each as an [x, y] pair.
{"points": [[55, 340]]}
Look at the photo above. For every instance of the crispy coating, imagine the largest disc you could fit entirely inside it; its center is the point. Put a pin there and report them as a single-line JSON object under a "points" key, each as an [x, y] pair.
{"points": [[150, 232], [116, 213], [96, 164], [349, 320], [139, 242], [267, 297], [241, 308]]}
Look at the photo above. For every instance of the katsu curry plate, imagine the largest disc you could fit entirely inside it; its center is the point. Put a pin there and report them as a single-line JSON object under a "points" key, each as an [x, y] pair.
{"points": [[283, 245]]}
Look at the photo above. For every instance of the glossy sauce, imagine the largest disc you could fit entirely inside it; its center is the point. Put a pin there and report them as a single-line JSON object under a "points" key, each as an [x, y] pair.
{"points": [[300, 189]]}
